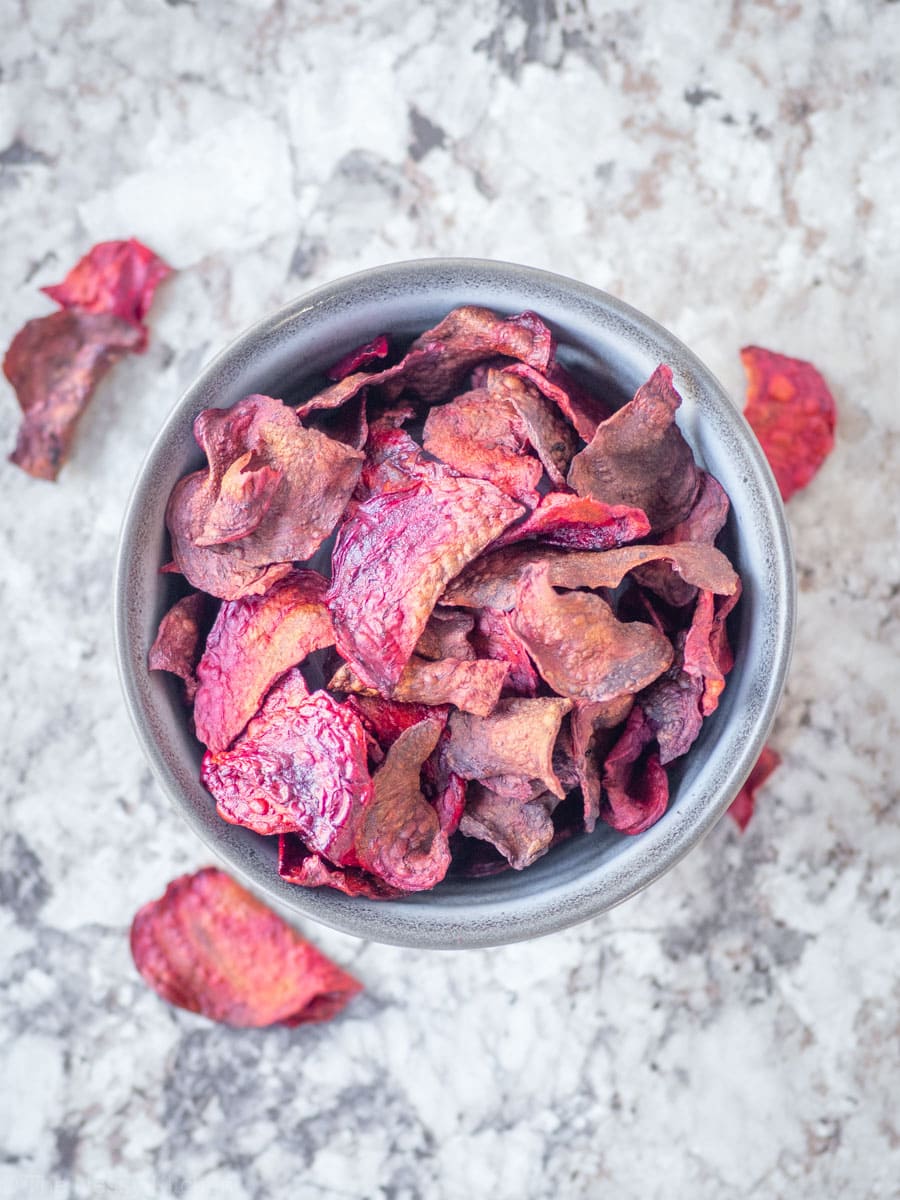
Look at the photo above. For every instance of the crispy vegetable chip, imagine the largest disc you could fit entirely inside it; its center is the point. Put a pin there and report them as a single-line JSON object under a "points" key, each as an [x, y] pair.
{"points": [[578, 523], [672, 707], [581, 407], [392, 560], [300, 483], [298, 865], [473, 685], [387, 719], [300, 767], [210, 947], [494, 637], [579, 646], [638, 457], [517, 739], [592, 723], [54, 364], [359, 358], [177, 645], [552, 438], [521, 831], [792, 412], [447, 635], [255, 640], [635, 785], [118, 278], [399, 838], [742, 807]]}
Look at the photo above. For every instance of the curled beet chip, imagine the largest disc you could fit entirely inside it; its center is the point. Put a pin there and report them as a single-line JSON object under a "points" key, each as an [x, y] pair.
{"points": [[635, 784], [741, 809], [300, 767], [298, 865], [592, 723], [298, 485], [521, 830], [638, 457], [584, 410], [494, 637], [707, 653], [400, 838], [387, 719], [516, 739], [446, 635], [580, 647], [473, 685], [178, 641], [358, 358], [253, 641], [208, 946], [792, 412], [117, 278], [54, 364], [578, 523], [672, 707], [392, 560], [551, 437]]}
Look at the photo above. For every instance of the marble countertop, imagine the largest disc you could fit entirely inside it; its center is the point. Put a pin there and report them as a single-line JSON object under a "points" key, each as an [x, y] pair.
{"points": [[730, 169]]}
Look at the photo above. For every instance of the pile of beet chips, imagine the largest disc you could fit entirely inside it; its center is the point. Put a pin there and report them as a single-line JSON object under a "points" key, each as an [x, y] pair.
{"points": [[521, 623]]}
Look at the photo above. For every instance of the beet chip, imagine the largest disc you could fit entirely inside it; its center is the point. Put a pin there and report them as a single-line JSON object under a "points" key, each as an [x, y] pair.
{"points": [[672, 707], [253, 641], [387, 719], [359, 358], [592, 725], [392, 560], [55, 363], [792, 412], [578, 523], [635, 785], [550, 436], [579, 646], [584, 410], [638, 457], [276, 488], [517, 739], [447, 635], [399, 837], [473, 685], [176, 647], [522, 832], [210, 947], [300, 767], [298, 865], [493, 637], [743, 804]]}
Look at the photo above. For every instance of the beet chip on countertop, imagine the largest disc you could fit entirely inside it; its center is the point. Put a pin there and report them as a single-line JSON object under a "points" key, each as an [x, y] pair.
{"points": [[742, 807], [208, 946]]}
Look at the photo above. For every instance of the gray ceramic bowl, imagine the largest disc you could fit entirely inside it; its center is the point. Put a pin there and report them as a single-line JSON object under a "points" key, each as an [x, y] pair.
{"points": [[620, 348]]}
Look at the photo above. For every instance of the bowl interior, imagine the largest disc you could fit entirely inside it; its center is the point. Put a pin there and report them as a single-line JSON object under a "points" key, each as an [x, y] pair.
{"points": [[600, 339]]}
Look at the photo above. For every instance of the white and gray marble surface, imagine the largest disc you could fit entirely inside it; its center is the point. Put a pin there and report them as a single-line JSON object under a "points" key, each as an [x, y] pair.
{"points": [[734, 170]]}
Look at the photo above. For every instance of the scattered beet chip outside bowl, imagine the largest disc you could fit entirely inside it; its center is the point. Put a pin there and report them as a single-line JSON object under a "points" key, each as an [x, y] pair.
{"points": [[604, 350]]}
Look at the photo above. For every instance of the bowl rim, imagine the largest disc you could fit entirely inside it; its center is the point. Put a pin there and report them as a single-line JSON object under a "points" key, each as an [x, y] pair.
{"points": [[641, 860]]}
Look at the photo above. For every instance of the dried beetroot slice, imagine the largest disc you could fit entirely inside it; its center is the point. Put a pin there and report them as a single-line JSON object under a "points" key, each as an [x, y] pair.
{"points": [[117, 278], [285, 521], [387, 719], [177, 645], [638, 457], [579, 646], [516, 739], [491, 580], [592, 723], [358, 358], [481, 435], [707, 653], [392, 560], [245, 495], [741, 809], [635, 785], [447, 635], [473, 685], [210, 947], [253, 641], [54, 364], [400, 838], [551, 437], [300, 767], [584, 410], [578, 523], [793, 414], [298, 865], [493, 637], [672, 706], [521, 831]]}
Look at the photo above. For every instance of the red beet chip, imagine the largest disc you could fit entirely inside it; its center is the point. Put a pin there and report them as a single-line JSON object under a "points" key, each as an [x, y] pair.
{"points": [[298, 865], [392, 560], [208, 946], [743, 804], [635, 784], [473, 685], [516, 739], [394, 460], [592, 724], [447, 635], [387, 719], [298, 487], [253, 641], [494, 637], [792, 412], [521, 830], [578, 523], [359, 358], [550, 435], [584, 410], [54, 364], [117, 278], [638, 457], [580, 647], [178, 641], [707, 653], [300, 767], [399, 838], [672, 707]]}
